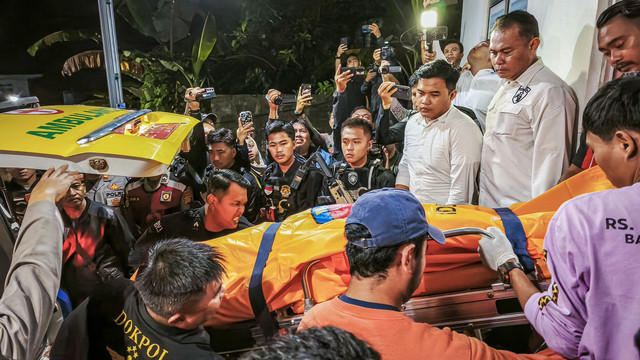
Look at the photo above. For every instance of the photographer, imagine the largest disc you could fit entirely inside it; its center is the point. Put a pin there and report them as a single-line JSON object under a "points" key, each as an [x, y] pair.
{"points": [[197, 155], [354, 96], [307, 139], [379, 73]]}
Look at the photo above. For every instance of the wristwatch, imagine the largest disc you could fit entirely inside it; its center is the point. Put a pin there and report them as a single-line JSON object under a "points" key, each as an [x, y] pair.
{"points": [[505, 269]]}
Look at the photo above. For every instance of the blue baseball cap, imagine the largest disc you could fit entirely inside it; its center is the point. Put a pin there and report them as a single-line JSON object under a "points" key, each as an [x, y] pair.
{"points": [[393, 217]]}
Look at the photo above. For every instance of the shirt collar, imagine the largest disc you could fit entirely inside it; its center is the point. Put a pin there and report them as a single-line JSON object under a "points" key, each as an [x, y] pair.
{"points": [[525, 78], [367, 304], [442, 118]]}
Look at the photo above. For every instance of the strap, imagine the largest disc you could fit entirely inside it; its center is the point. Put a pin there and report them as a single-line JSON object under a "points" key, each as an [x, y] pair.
{"points": [[256, 294], [515, 233]]}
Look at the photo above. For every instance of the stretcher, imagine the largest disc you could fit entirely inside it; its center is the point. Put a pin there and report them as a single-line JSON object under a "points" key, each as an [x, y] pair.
{"points": [[276, 271]]}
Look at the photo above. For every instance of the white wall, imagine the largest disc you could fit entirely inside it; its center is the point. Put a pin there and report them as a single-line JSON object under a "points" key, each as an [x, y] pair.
{"points": [[568, 34]]}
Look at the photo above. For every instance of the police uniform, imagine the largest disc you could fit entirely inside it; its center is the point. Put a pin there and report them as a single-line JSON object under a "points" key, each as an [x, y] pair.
{"points": [[373, 175], [115, 324], [108, 190], [20, 197], [255, 195], [144, 207], [282, 198], [186, 224]]}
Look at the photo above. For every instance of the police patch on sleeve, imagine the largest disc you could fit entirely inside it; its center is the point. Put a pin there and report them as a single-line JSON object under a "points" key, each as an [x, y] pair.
{"points": [[165, 196]]}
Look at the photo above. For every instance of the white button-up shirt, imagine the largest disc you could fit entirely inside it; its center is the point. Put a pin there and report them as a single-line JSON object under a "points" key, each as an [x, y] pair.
{"points": [[441, 158], [527, 143], [482, 88]]}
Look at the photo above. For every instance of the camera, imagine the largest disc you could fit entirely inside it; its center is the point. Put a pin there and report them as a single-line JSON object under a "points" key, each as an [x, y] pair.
{"points": [[385, 69], [209, 93], [365, 29], [387, 53]]}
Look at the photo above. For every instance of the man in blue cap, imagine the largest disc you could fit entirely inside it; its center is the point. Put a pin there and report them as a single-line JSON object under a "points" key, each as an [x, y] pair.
{"points": [[387, 236]]}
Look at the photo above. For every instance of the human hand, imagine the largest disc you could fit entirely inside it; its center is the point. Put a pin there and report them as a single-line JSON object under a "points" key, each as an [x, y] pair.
{"points": [[375, 30], [190, 98], [302, 101], [272, 98], [495, 251], [385, 90], [466, 67], [370, 75], [342, 79], [54, 184], [376, 56], [427, 56], [341, 49], [386, 158], [243, 131]]}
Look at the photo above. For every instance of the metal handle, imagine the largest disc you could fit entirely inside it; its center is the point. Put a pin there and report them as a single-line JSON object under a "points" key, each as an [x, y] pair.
{"points": [[466, 231], [107, 128]]}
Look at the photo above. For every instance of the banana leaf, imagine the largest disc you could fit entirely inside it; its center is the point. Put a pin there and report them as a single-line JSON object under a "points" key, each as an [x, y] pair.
{"points": [[62, 36], [204, 44]]}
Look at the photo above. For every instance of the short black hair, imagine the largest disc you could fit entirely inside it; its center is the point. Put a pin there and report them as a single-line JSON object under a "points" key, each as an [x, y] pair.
{"points": [[177, 272], [615, 106], [627, 8], [224, 136], [325, 343], [359, 107], [278, 126], [440, 69], [452, 41], [219, 181], [526, 23], [356, 122], [374, 261]]}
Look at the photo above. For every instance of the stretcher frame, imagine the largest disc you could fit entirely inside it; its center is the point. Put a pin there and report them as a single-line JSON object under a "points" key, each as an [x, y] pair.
{"points": [[469, 310]]}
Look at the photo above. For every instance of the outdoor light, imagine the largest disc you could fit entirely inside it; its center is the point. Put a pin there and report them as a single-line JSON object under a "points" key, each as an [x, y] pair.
{"points": [[13, 98], [429, 19]]}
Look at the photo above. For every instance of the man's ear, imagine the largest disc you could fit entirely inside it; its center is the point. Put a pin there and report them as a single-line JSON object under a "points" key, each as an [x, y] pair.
{"points": [[369, 145], [453, 95], [407, 258], [627, 142], [534, 43], [234, 151], [212, 200], [175, 319]]}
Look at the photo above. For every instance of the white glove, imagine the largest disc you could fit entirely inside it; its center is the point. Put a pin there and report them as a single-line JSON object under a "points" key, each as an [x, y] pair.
{"points": [[495, 252]]}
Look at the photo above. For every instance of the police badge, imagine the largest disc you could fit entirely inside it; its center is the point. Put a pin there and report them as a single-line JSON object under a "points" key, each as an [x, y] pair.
{"points": [[520, 94], [285, 191], [352, 177]]}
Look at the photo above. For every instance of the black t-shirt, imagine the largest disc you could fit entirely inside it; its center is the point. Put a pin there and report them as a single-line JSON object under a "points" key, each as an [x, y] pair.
{"points": [[187, 224], [115, 324]]}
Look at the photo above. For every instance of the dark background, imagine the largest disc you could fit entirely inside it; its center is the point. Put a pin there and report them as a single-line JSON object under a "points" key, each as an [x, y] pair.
{"points": [[261, 44]]}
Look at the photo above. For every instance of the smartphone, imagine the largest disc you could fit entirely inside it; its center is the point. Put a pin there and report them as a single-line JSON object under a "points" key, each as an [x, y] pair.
{"points": [[356, 71], [305, 89], [403, 93], [246, 117], [344, 41]]}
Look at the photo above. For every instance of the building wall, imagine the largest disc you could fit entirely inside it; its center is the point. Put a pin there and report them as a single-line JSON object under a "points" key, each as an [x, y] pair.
{"points": [[568, 38]]}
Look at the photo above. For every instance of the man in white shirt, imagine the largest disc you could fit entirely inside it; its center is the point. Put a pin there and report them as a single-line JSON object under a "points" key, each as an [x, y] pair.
{"points": [[477, 87], [441, 144], [530, 122]]}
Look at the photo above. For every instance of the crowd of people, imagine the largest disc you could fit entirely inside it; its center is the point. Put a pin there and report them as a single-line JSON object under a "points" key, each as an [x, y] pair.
{"points": [[498, 130]]}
